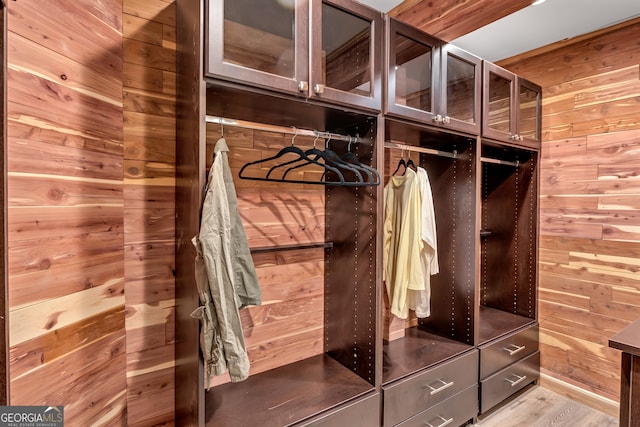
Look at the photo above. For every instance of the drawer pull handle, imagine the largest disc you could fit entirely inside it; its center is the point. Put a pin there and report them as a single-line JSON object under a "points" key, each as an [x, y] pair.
{"points": [[445, 422], [518, 381], [445, 385], [513, 349]]}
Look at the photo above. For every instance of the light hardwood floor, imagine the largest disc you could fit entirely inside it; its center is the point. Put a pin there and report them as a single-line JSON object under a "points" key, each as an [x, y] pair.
{"points": [[540, 407]]}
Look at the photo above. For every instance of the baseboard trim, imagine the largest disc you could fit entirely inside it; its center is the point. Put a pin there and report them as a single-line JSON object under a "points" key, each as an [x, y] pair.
{"points": [[593, 400]]}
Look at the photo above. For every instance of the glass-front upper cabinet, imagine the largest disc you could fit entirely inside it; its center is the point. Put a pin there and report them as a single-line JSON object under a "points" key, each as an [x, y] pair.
{"points": [[430, 81], [461, 94], [413, 61], [511, 107], [325, 49], [346, 53], [529, 111], [266, 46]]}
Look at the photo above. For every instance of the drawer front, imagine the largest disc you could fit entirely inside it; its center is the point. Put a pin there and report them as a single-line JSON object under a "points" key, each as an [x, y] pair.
{"points": [[502, 353], [405, 398], [361, 413], [503, 384], [453, 412]]}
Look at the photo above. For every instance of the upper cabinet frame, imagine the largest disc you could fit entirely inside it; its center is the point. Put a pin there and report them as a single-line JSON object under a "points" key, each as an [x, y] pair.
{"points": [[269, 57], [430, 81], [346, 53], [329, 50], [512, 107]]}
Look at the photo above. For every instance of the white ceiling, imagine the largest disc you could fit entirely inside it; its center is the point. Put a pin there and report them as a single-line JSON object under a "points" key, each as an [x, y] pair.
{"points": [[536, 26]]}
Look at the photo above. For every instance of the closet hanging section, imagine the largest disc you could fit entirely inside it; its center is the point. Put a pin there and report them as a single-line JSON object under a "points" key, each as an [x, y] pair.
{"points": [[334, 170]]}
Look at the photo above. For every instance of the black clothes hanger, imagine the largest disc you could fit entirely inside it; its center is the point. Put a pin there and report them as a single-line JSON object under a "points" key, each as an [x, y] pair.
{"points": [[406, 164], [291, 149], [410, 164], [401, 163], [329, 162], [301, 157], [336, 160], [372, 174], [334, 166]]}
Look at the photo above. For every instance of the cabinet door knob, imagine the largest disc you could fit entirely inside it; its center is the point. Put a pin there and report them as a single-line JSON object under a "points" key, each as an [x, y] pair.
{"points": [[303, 86], [318, 88]]}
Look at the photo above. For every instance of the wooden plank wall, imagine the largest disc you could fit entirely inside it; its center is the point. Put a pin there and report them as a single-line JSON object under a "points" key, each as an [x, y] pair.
{"points": [[91, 158], [65, 209], [149, 84], [590, 201]]}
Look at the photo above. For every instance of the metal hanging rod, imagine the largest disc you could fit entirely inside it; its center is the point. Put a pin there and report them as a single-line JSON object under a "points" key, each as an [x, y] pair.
{"points": [[282, 129], [400, 146], [499, 162]]}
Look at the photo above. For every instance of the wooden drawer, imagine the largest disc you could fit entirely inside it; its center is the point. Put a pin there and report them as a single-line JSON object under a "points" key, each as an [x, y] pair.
{"points": [[453, 412], [364, 412], [503, 384], [405, 398], [507, 350]]}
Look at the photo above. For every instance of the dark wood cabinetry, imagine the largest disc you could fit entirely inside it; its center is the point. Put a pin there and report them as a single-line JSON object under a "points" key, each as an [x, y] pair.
{"points": [[319, 347], [312, 343], [511, 107], [433, 358], [431, 81], [508, 266], [328, 50]]}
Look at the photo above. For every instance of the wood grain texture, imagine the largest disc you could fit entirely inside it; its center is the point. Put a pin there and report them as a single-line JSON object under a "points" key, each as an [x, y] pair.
{"points": [[65, 209], [149, 209], [450, 19], [589, 218], [540, 407]]}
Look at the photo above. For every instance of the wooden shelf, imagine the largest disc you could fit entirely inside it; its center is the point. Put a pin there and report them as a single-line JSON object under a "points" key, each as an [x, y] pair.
{"points": [[284, 395], [496, 323], [418, 349]]}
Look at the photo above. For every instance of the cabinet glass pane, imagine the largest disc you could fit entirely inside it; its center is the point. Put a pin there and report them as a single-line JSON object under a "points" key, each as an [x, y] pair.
{"points": [[346, 43], [460, 89], [499, 117], [413, 68], [528, 113], [261, 38]]}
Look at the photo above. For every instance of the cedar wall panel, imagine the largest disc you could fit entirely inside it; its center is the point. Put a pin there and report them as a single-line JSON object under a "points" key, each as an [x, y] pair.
{"points": [[65, 209], [149, 97], [590, 209]]}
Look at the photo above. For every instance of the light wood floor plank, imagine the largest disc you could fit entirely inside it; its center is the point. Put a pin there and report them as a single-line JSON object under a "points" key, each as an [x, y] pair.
{"points": [[540, 407]]}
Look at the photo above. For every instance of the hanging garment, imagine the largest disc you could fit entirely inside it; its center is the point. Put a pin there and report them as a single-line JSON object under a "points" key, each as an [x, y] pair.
{"points": [[402, 241], [225, 274], [420, 301]]}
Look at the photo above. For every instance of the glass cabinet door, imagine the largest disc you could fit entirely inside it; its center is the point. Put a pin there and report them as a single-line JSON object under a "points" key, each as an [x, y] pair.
{"points": [[461, 76], [346, 53], [529, 110], [265, 46], [499, 117], [413, 63]]}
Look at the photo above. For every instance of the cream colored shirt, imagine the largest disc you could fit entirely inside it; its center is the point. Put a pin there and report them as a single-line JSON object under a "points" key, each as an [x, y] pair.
{"points": [[402, 241], [420, 301]]}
